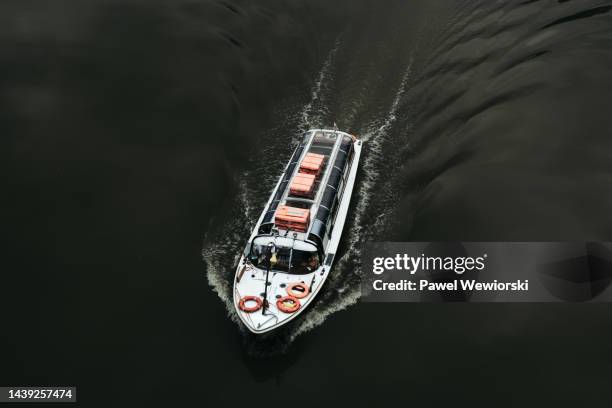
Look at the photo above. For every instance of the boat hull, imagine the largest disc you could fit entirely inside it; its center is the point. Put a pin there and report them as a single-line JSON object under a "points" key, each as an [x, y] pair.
{"points": [[251, 281]]}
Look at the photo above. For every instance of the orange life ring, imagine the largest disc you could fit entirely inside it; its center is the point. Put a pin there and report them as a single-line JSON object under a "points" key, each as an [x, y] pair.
{"points": [[288, 304], [298, 293], [242, 304]]}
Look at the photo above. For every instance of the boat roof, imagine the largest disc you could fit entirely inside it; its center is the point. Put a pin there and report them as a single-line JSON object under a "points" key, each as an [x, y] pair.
{"points": [[337, 148]]}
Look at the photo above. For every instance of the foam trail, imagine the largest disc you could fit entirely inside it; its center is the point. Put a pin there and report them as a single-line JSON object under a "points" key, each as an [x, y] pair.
{"points": [[308, 118], [391, 117], [221, 252], [347, 286], [342, 288], [374, 141]]}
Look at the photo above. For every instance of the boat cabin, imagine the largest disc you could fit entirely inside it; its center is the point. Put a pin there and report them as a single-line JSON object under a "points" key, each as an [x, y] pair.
{"points": [[289, 255], [306, 199]]}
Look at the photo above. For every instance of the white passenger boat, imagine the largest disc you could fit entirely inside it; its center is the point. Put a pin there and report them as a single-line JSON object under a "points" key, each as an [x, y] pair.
{"points": [[292, 247]]}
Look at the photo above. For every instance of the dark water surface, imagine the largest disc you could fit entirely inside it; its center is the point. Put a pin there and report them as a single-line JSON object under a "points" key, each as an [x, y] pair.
{"points": [[141, 140]]}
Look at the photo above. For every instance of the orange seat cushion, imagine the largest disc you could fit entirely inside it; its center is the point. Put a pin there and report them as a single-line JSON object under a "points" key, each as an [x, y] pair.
{"points": [[293, 218], [312, 163], [302, 184]]}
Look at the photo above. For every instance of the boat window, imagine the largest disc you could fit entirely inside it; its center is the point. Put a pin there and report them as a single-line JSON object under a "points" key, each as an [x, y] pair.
{"points": [[288, 255], [322, 143], [298, 203], [324, 139], [332, 218], [266, 228], [303, 262], [341, 187]]}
